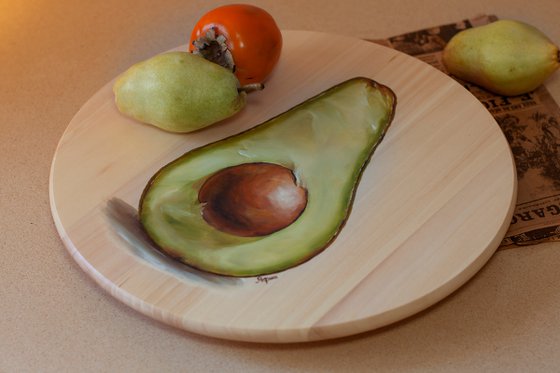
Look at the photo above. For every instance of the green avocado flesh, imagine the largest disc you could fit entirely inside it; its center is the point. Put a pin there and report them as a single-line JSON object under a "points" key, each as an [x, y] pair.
{"points": [[325, 141]]}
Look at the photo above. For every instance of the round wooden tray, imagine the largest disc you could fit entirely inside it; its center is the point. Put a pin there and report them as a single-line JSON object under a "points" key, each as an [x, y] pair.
{"points": [[431, 207]]}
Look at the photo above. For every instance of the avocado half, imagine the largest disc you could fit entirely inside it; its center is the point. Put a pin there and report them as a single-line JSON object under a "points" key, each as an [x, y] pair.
{"points": [[325, 143]]}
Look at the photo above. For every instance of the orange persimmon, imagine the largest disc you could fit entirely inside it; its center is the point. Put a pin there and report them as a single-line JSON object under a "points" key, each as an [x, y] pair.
{"points": [[241, 37]]}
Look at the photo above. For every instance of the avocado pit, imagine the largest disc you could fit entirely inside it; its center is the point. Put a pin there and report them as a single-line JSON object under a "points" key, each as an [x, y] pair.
{"points": [[252, 199]]}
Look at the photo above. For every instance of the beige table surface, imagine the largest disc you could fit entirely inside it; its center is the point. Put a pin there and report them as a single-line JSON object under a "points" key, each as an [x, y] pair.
{"points": [[55, 54]]}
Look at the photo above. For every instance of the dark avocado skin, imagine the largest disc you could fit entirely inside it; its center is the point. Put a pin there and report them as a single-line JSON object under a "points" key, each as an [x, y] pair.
{"points": [[327, 142]]}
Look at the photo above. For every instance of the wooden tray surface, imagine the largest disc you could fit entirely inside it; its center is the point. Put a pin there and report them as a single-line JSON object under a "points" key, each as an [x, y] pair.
{"points": [[431, 208]]}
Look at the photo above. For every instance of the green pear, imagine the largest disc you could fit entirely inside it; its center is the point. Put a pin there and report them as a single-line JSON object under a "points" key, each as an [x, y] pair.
{"points": [[506, 57], [178, 92]]}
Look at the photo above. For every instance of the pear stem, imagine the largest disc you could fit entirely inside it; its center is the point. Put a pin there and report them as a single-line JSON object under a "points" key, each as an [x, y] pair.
{"points": [[248, 88]]}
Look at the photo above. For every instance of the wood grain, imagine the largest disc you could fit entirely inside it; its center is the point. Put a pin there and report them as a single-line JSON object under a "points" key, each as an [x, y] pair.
{"points": [[431, 208]]}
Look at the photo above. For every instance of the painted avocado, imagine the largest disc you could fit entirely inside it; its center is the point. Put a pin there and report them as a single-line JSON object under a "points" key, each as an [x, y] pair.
{"points": [[274, 196]]}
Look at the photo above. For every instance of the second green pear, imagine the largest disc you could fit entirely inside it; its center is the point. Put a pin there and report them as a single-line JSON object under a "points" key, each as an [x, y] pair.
{"points": [[178, 92], [506, 57]]}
